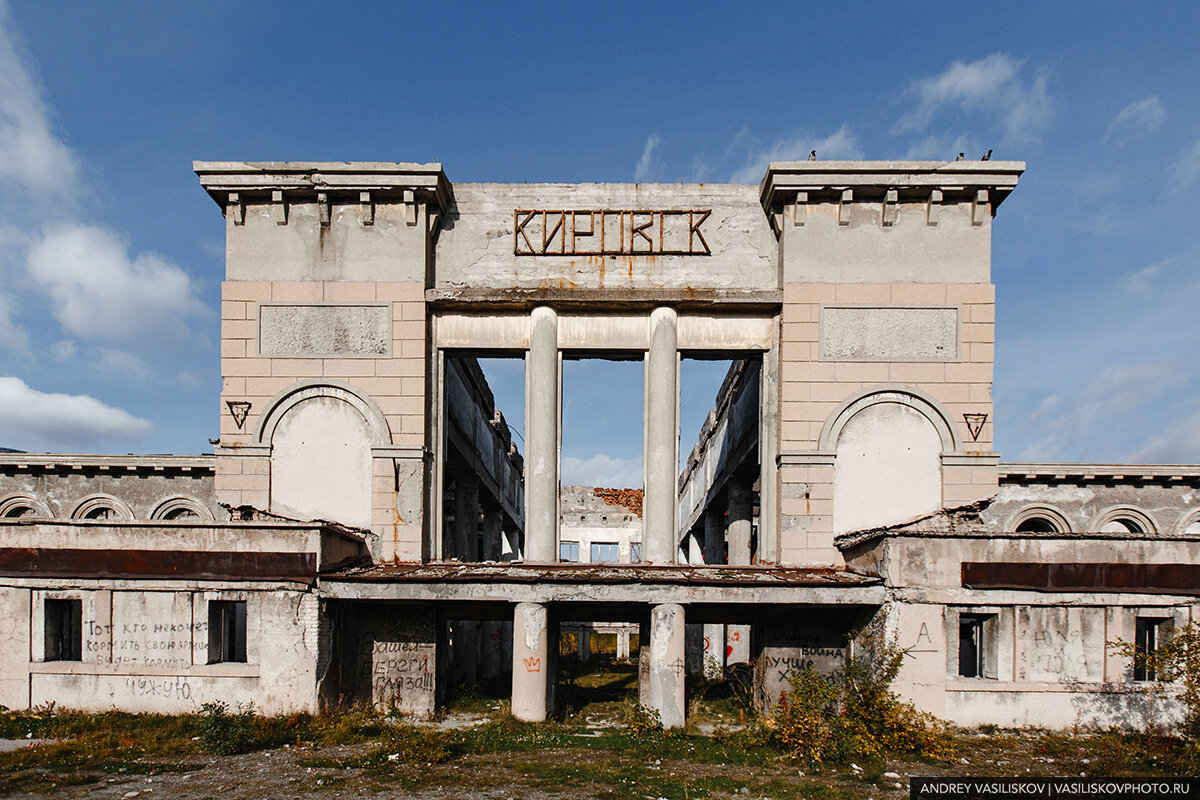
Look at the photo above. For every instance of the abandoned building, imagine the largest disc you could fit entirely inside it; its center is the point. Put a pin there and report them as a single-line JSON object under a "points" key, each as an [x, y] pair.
{"points": [[367, 529]]}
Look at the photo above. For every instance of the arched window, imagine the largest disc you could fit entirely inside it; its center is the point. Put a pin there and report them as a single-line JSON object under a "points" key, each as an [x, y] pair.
{"points": [[180, 508], [102, 506], [1124, 520], [1038, 519], [22, 505]]}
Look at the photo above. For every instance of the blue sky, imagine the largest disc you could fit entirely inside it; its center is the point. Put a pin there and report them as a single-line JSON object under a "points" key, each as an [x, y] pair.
{"points": [[111, 254]]}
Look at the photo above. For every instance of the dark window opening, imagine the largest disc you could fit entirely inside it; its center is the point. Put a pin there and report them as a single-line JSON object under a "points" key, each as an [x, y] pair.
{"points": [[1037, 525], [64, 630], [971, 645], [1148, 635], [226, 631]]}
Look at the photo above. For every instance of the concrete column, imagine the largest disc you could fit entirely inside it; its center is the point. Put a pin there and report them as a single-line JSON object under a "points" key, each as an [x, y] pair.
{"points": [[741, 510], [623, 643], [493, 520], [661, 434], [466, 517], [714, 536], [583, 644], [531, 691], [667, 666], [737, 649], [695, 549], [491, 664], [541, 438], [714, 651]]}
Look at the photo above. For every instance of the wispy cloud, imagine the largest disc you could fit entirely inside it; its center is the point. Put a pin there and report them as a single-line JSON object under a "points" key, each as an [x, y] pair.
{"points": [[602, 470], [32, 420], [841, 144], [1139, 118], [1186, 169], [992, 87], [646, 165]]}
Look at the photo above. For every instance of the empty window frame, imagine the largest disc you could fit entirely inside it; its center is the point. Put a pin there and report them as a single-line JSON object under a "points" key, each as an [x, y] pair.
{"points": [[1148, 635], [64, 630], [568, 551], [605, 553], [635, 552], [226, 631], [976, 645]]}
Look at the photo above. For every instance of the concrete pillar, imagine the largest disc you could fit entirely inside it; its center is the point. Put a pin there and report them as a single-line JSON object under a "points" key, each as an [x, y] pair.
{"points": [[532, 682], [695, 549], [667, 666], [714, 536], [714, 651], [583, 644], [541, 438], [643, 657], [623, 643], [662, 439], [493, 520], [737, 650], [466, 517], [741, 510], [491, 664]]}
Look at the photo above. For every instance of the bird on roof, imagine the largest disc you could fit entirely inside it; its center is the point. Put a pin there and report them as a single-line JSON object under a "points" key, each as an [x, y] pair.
{"points": [[812, 156], [960, 157], [986, 156]]}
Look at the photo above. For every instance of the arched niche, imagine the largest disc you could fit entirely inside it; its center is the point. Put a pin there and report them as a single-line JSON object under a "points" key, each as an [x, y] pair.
{"points": [[15, 506], [320, 436], [181, 508], [888, 467], [1038, 519]]}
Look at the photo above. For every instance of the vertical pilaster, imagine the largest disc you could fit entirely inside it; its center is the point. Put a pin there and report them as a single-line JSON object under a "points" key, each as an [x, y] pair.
{"points": [[541, 431], [531, 692], [661, 409], [667, 667]]}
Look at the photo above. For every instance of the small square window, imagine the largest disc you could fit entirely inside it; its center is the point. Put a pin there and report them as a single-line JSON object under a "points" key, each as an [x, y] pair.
{"points": [[1149, 634], [64, 630], [605, 553], [226, 631], [568, 551], [976, 645]]}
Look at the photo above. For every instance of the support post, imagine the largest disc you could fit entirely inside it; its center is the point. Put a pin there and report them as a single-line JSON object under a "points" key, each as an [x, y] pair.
{"points": [[493, 520], [466, 517], [667, 666], [541, 430], [741, 509], [531, 689], [714, 536], [661, 408]]}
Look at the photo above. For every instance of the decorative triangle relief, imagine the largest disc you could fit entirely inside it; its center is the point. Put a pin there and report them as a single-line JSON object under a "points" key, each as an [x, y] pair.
{"points": [[239, 409], [974, 424]]}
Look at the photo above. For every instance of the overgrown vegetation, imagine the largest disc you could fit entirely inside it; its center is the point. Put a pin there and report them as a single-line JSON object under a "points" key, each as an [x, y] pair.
{"points": [[854, 714]]}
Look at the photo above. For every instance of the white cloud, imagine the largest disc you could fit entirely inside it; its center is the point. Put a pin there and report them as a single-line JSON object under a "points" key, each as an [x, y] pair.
{"points": [[30, 419], [102, 292], [1178, 444], [117, 362], [602, 470], [12, 336], [63, 350], [1187, 168], [1136, 119], [942, 148], [30, 153], [646, 164], [992, 86], [838, 145]]}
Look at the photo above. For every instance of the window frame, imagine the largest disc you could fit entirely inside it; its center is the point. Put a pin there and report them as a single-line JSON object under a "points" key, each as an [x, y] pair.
{"points": [[615, 550], [571, 547], [62, 638], [227, 640]]}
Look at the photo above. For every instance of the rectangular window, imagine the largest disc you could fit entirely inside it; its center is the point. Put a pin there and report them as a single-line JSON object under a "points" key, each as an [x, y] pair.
{"points": [[972, 645], [226, 631], [1148, 636], [606, 552], [64, 630], [635, 552], [568, 551]]}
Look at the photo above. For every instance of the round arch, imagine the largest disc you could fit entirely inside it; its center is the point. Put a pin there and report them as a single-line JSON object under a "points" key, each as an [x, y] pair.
{"points": [[23, 505], [889, 393], [180, 507], [1133, 520], [298, 392], [1189, 521], [94, 506], [1052, 517]]}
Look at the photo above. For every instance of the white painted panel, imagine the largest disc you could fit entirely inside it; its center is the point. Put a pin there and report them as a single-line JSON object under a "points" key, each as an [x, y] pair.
{"points": [[483, 331], [702, 332], [321, 463], [889, 334], [603, 331], [888, 468]]}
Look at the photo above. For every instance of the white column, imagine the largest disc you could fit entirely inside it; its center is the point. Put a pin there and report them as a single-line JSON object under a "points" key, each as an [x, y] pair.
{"points": [[741, 509], [714, 651], [541, 438], [531, 662], [667, 667], [661, 456]]}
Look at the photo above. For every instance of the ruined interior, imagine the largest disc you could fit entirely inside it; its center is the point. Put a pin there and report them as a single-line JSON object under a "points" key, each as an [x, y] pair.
{"points": [[369, 530]]}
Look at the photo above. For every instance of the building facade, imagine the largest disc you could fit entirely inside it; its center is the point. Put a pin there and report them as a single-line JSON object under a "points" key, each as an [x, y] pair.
{"points": [[367, 530]]}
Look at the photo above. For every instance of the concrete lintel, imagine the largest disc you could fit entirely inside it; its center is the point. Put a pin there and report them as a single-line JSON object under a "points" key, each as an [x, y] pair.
{"points": [[683, 594]]}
